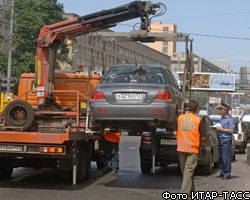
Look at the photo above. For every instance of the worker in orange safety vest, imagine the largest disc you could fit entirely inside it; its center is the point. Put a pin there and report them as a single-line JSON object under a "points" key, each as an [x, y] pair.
{"points": [[111, 150], [188, 143]]}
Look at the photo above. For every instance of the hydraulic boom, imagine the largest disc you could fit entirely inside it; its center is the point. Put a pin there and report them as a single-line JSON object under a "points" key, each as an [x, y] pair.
{"points": [[51, 35]]}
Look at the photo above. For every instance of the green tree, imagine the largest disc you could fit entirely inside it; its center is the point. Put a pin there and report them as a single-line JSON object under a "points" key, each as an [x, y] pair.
{"points": [[3, 59], [30, 17]]}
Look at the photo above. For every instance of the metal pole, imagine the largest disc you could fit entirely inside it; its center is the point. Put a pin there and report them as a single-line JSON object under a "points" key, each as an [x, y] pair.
{"points": [[10, 49], [90, 42], [153, 150], [103, 57], [191, 68], [184, 78]]}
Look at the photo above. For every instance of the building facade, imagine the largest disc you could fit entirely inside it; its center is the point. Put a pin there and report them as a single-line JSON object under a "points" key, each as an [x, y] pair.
{"points": [[178, 62], [165, 47], [178, 59], [244, 74], [223, 64], [96, 53]]}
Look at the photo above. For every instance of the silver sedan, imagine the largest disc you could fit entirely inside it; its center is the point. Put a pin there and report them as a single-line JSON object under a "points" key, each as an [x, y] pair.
{"points": [[136, 97]]}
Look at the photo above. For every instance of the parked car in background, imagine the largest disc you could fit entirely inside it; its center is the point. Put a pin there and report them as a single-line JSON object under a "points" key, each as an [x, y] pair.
{"points": [[246, 122], [135, 97], [240, 134], [166, 149]]}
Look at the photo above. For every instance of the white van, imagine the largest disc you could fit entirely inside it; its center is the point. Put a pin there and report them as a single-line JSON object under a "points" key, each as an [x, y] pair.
{"points": [[240, 135]]}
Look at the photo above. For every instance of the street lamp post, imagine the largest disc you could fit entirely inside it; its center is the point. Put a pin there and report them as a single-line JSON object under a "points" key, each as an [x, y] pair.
{"points": [[8, 95]]}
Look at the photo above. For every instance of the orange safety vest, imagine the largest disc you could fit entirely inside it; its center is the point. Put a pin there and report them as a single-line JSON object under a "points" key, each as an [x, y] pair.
{"points": [[112, 136], [188, 136]]}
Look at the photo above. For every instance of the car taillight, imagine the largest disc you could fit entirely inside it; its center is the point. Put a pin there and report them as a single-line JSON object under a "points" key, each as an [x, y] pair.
{"points": [[163, 96], [146, 138], [98, 95]]}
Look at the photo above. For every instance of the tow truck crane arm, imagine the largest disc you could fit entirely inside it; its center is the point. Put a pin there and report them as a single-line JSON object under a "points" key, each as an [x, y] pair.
{"points": [[50, 37]]}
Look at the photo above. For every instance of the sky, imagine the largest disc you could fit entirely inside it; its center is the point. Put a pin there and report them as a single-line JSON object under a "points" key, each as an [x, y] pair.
{"points": [[220, 29]]}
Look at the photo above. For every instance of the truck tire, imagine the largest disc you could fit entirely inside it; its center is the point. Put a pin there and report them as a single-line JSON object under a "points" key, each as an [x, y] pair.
{"points": [[19, 113], [82, 165], [5, 171], [88, 162]]}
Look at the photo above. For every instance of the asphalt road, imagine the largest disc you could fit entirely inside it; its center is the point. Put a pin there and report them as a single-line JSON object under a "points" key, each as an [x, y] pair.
{"points": [[30, 184]]}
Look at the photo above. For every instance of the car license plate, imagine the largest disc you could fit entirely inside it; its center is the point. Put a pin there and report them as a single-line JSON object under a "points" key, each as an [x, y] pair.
{"points": [[12, 148], [168, 142], [129, 96]]}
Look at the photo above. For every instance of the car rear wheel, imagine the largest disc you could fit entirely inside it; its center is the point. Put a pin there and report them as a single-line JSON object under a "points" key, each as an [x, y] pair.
{"points": [[207, 169], [233, 156], [100, 164], [242, 149], [146, 167]]}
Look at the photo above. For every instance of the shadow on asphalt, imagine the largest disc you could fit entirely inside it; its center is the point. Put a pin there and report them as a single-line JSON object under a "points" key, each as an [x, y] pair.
{"points": [[30, 178], [163, 178]]}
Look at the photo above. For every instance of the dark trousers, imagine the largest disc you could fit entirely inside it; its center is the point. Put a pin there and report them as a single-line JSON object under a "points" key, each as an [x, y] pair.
{"points": [[111, 154], [225, 157]]}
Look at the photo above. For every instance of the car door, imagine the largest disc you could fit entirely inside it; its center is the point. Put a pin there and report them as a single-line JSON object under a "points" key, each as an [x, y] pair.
{"points": [[214, 140], [210, 135]]}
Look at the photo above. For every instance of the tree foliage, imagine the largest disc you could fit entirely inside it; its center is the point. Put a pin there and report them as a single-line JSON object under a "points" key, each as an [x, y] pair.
{"points": [[3, 59], [30, 17]]}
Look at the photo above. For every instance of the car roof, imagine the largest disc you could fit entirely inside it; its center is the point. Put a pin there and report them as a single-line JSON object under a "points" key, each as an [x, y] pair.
{"points": [[139, 65]]}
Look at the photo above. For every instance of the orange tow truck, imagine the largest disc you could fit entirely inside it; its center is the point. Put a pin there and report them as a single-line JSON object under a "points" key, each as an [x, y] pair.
{"points": [[49, 125]]}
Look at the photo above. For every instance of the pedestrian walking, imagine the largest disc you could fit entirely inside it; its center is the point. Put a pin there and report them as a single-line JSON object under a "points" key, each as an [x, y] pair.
{"points": [[111, 139], [188, 143], [225, 130]]}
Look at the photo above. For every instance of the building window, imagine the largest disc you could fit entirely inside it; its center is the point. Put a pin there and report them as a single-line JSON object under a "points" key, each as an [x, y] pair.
{"points": [[165, 29], [165, 50], [165, 43]]}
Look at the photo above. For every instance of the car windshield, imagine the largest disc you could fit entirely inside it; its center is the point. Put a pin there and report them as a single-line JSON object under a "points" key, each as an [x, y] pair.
{"points": [[215, 121], [134, 74]]}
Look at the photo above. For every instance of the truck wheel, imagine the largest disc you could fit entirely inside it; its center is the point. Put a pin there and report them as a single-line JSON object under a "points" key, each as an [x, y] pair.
{"points": [[5, 171], [146, 167], [88, 163], [82, 165], [19, 113]]}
